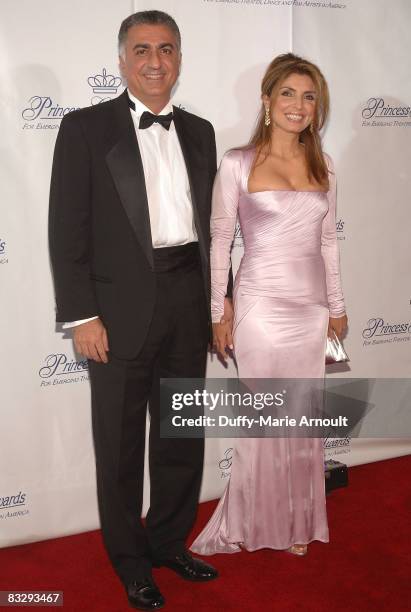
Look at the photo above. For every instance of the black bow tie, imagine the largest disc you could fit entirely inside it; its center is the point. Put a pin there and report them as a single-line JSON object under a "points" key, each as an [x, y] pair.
{"points": [[148, 119]]}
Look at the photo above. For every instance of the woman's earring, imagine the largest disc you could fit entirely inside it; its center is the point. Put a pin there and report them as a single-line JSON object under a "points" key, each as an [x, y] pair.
{"points": [[311, 128], [267, 118]]}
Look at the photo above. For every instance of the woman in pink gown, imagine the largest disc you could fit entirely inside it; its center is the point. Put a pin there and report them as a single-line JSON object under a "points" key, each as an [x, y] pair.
{"points": [[287, 295]]}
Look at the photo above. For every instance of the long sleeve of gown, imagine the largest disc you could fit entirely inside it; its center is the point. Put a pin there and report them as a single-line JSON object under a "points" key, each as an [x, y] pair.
{"points": [[223, 220], [330, 252]]}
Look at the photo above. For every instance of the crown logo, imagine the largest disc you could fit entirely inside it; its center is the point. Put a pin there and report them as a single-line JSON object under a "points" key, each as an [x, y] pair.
{"points": [[104, 83]]}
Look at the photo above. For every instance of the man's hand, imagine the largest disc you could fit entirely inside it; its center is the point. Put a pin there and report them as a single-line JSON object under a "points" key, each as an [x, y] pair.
{"points": [[338, 326], [90, 340]]}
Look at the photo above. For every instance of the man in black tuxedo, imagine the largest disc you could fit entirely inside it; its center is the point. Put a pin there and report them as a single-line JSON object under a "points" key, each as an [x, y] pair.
{"points": [[129, 240]]}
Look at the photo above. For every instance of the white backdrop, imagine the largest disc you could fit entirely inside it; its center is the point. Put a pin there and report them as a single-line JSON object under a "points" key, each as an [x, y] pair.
{"points": [[56, 57]]}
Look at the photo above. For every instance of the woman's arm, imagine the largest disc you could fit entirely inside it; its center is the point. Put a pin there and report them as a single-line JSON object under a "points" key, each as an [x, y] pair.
{"points": [[223, 221], [330, 253]]}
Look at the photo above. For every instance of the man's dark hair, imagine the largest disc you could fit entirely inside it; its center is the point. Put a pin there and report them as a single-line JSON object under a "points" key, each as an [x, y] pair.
{"points": [[147, 18]]}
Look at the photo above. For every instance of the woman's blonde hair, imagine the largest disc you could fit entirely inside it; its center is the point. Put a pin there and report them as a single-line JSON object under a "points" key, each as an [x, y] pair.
{"points": [[280, 68]]}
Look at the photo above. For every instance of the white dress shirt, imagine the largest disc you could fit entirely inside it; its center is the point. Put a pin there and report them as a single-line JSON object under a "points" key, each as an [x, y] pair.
{"points": [[168, 189]]}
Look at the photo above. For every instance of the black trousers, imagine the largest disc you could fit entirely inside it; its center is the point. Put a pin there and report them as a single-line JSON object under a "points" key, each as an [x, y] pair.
{"points": [[175, 346]]}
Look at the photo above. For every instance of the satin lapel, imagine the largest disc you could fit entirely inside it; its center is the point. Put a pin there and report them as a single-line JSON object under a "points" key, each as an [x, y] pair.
{"points": [[126, 167], [193, 160]]}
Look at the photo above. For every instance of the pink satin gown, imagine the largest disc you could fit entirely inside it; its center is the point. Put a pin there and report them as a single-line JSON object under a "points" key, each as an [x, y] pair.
{"points": [[287, 285]]}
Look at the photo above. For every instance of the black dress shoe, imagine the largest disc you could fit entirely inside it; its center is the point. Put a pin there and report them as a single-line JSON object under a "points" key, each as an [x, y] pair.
{"points": [[188, 567], [145, 595]]}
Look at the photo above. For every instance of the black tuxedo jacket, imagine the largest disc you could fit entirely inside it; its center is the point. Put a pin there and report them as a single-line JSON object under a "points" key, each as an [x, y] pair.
{"points": [[99, 226]]}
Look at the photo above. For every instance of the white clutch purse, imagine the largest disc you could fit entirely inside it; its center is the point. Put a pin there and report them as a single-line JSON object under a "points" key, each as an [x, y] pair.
{"points": [[334, 350]]}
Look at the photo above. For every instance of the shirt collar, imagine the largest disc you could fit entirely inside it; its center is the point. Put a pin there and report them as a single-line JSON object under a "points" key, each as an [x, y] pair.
{"points": [[140, 108]]}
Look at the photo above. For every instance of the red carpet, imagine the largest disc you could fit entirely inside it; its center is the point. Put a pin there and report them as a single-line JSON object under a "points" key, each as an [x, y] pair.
{"points": [[366, 566]]}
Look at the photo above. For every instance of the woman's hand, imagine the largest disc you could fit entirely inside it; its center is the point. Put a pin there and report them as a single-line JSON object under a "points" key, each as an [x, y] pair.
{"points": [[222, 339], [338, 325], [222, 332]]}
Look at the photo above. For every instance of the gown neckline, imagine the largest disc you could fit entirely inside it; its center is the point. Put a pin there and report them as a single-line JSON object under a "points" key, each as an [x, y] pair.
{"points": [[275, 190]]}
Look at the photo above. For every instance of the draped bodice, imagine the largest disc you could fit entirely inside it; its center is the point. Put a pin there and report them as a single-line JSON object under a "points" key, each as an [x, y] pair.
{"points": [[290, 245]]}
